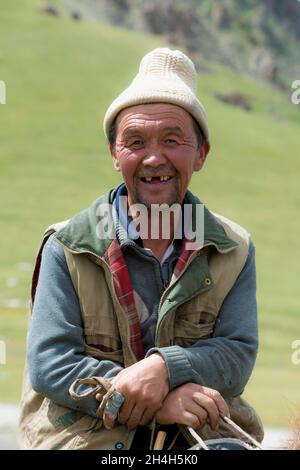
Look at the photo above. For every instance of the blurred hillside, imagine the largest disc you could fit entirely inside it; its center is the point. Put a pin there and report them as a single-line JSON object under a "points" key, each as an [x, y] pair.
{"points": [[250, 36], [61, 74]]}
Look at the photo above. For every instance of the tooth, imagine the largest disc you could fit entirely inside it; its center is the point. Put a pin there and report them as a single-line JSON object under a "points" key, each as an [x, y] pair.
{"points": [[162, 178], [148, 178], [166, 178]]}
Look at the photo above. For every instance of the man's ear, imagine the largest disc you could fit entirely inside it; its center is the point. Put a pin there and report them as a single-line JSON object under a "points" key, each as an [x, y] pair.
{"points": [[201, 157], [114, 157]]}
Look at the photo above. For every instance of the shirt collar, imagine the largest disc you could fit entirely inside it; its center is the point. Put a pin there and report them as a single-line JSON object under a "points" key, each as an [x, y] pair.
{"points": [[125, 227]]}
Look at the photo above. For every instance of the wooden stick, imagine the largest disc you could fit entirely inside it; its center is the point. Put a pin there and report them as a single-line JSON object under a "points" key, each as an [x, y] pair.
{"points": [[160, 440]]}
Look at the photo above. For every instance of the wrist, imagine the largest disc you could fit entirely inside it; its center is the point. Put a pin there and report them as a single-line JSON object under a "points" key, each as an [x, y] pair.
{"points": [[158, 359]]}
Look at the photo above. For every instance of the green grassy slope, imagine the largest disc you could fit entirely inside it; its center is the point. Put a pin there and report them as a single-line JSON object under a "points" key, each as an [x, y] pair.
{"points": [[60, 77]]}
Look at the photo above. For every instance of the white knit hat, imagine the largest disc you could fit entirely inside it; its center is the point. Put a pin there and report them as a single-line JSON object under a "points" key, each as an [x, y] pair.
{"points": [[164, 76]]}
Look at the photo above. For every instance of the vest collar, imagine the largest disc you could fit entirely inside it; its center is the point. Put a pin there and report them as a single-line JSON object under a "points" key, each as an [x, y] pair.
{"points": [[92, 230]]}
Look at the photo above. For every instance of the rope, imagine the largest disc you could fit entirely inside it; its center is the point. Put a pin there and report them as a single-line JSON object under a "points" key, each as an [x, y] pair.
{"points": [[239, 430], [235, 428], [153, 424], [174, 440], [198, 438], [97, 385]]}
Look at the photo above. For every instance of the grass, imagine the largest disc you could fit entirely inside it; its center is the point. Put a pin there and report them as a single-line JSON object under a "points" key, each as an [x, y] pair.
{"points": [[60, 77], [13, 323]]}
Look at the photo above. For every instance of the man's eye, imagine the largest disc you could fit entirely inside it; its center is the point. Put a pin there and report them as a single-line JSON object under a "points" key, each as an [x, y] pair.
{"points": [[136, 143], [171, 141]]}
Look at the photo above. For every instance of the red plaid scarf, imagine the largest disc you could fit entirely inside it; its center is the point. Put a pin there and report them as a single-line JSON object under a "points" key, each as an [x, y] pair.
{"points": [[124, 291], [123, 288], [182, 259]]}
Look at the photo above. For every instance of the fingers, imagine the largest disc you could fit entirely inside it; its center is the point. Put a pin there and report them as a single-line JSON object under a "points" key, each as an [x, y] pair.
{"points": [[196, 418], [204, 403], [123, 417], [135, 417], [130, 413], [111, 410], [147, 417], [218, 399], [126, 411], [179, 407], [214, 404], [212, 411]]}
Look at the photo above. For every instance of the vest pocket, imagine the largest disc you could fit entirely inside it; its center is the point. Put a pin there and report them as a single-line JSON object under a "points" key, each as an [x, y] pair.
{"points": [[187, 333], [104, 347], [193, 321], [104, 342]]}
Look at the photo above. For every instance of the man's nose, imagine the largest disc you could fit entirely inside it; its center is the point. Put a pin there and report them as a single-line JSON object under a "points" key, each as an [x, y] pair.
{"points": [[154, 157]]}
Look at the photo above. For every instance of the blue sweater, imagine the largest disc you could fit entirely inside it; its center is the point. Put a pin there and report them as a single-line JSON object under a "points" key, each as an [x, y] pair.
{"points": [[56, 353]]}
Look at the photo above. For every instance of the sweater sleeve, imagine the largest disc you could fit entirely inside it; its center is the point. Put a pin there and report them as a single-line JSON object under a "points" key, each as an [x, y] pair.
{"points": [[224, 361], [55, 347]]}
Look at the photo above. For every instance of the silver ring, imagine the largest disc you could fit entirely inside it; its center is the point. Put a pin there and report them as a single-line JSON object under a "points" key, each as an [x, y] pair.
{"points": [[113, 405]]}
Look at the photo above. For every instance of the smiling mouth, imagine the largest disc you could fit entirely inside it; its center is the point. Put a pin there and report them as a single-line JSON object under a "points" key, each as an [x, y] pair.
{"points": [[156, 179]]}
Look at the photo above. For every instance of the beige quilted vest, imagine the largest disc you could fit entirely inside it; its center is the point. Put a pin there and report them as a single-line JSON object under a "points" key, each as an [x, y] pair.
{"points": [[45, 425]]}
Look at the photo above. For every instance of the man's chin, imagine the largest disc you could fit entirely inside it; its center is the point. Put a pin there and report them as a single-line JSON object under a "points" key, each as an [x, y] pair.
{"points": [[156, 201], [147, 200]]}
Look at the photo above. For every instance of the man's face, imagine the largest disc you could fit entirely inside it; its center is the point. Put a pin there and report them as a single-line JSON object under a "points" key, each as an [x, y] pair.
{"points": [[157, 152]]}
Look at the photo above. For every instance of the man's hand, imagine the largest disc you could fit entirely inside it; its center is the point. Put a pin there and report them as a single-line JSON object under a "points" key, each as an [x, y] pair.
{"points": [[192, 405], [144, 386]]}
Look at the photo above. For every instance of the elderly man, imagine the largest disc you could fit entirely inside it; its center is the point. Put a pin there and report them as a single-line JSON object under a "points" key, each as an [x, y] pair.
{"points": [[169, 325]]}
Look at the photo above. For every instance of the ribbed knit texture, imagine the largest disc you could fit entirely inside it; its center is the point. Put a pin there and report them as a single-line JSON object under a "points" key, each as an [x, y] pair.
{"points": [[164, 76]]}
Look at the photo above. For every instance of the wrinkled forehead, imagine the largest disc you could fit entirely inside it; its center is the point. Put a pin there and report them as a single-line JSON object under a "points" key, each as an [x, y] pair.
{"points": [[162, 114]]}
